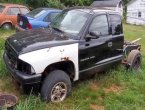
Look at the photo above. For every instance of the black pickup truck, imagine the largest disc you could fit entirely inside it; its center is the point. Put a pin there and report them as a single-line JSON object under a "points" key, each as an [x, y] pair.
{"points": [[81, 41]]}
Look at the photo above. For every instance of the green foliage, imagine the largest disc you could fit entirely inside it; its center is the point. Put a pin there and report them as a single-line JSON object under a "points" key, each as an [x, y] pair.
{"points": [[50, 3], [3, 36], [35, 3], [1, 1], [128, 90], [76, 2], [13, 1], [2, 66], [55, 4], [126, 1]]}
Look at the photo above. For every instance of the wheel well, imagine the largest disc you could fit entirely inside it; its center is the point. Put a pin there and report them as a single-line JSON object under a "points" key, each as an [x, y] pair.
{"points": [[7, 23], [66, 66]]}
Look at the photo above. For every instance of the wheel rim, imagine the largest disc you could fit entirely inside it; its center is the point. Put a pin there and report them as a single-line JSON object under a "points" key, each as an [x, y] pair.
{"points": [[137, 63], [6, 26], [59, 92]]}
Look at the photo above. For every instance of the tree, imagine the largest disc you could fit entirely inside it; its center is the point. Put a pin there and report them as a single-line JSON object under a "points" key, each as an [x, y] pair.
{"points": [[54, 3], [13, 1], [125, 7], [76, 2], [36, 3], [126, 1]]}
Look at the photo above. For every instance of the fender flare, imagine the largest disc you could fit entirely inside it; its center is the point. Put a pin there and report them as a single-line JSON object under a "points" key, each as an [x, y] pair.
{"points": [[59, 63], [6, 21]]}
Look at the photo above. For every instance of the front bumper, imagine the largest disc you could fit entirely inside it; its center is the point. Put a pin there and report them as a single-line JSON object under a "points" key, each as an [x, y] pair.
{"points": [[20, 77]]}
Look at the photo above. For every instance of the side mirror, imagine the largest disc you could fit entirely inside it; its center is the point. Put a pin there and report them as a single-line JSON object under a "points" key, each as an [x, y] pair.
{"points": [[92, 35], [95, 34], [88, 38]]}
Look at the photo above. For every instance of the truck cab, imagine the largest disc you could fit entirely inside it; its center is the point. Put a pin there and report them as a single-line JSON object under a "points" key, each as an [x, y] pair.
{"points": [[102, 42], [80, 41]]}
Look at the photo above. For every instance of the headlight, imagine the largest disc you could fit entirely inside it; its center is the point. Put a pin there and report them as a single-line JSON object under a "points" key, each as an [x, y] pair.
{"points": [[16, 65], [25, 67], [32, 70]]}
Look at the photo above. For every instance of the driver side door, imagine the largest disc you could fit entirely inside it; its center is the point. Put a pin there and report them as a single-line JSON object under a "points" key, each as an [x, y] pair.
{"points": [[92, 52]]}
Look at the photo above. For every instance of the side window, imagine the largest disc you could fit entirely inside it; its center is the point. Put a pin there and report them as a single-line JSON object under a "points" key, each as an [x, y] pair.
{"points": [[116, 24], [50, 17], [120, 5], [100, 25], [24, 10], [2, 8], [13, 11], [139, 14]]}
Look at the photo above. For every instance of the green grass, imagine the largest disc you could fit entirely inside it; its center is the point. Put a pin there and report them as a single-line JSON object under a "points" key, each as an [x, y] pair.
{"points": [[116, 89]]}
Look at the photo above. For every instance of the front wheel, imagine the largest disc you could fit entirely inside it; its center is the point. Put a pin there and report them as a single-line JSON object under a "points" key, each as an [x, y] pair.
{"points": [[7, 26], [56, 87]]}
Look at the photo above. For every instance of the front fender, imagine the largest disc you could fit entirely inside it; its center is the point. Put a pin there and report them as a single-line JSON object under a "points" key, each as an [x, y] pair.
{"points": [[40, 59]]}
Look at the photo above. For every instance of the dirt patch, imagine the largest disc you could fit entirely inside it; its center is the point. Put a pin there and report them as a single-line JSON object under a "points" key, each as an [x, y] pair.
{"points": [[1, 85], [113, 89], [7, 87], [94, 86], [96, 107]]}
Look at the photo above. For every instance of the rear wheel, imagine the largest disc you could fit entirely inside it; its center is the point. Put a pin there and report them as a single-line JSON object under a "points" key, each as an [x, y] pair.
{"points": [[134, 60], [56, 87], [7, 26]]}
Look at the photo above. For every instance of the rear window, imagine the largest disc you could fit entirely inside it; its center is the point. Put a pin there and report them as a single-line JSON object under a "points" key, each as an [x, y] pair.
{"points": [[36, 13], [50, 17], [116, 24], [1, 8]]}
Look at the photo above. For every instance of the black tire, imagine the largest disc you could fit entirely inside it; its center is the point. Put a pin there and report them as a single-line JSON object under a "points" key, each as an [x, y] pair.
{"points": [[7, 26], [50, 85], [134, 60]]}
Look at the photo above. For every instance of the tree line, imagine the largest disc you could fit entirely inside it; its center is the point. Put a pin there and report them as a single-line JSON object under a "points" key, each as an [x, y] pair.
{"points": [[53, 3]]}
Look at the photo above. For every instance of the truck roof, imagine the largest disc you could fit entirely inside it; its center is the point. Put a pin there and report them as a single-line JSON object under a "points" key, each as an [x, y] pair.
{"points": [[93, 9], [11, 5]]}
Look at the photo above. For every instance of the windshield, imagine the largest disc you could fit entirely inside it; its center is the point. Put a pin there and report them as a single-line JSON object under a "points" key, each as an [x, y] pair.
{"points": [[36, 13], [1, 8], [70, 22]]}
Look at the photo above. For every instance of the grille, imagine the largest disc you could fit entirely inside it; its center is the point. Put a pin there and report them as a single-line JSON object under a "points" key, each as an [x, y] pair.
{"points": [[11, 55], [23, 67]]}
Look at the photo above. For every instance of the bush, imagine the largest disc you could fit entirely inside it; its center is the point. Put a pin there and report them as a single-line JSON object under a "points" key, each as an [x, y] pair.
{"points": [[13, 1], [55, 4], [45, 3], [50, 3], [36, 3], [77, 2]]}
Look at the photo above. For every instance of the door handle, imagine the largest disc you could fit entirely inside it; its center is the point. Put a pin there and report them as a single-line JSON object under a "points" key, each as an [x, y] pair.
{"points": [[87, 44], [110, 44]]}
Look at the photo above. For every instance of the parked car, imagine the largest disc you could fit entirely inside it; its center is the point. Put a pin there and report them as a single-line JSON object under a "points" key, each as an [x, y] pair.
{"points": [[38, 18], [8, 14], [79, 43]]}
